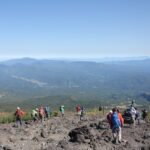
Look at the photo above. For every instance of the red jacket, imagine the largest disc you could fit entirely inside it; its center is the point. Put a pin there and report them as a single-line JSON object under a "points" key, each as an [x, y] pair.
{"points": [[78, 108], [19, 113]]}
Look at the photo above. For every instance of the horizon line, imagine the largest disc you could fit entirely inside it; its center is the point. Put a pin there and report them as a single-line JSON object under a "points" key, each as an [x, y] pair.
{"points": [[108, 58]]}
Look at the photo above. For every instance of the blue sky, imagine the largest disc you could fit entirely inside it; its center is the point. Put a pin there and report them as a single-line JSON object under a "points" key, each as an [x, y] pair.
{"points": [[74, 28]]}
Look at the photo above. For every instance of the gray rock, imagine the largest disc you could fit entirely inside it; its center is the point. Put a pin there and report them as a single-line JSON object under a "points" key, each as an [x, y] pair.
{"points": [[102, 126], [142, 148], [146, 135], [1, 147], [63, 144], [12, 140], [80, 134], [35, 139], [6, 147], [137, 140], [93, 125], [43, 134]]}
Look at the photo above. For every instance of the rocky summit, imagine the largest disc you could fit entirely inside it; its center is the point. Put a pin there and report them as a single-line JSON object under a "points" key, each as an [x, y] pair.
{"points": [[69, 133]]}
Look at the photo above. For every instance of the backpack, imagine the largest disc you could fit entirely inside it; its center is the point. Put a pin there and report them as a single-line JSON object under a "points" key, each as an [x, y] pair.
{"points": [[115, 120], [60, 108], [100, 108], [41, 111], [19, 113]]}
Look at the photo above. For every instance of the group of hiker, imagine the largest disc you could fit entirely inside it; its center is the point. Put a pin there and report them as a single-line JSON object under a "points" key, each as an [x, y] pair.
{"points": [[37, 114], [114, 117], [41, 113], [80, 111], [116, 120]]}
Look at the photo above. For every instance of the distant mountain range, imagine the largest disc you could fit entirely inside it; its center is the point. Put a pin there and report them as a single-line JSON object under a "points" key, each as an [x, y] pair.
{"points": [[26, 78]]}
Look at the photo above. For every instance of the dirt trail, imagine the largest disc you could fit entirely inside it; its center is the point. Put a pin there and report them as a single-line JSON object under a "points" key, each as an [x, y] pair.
{"points": [[71, 134]]}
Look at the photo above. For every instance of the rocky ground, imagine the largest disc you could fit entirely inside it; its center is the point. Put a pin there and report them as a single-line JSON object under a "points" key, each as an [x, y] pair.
{"points": [[71, 134]]}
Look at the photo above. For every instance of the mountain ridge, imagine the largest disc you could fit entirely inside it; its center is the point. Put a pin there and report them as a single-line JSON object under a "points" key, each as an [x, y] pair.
{"points": [[84, 79]]}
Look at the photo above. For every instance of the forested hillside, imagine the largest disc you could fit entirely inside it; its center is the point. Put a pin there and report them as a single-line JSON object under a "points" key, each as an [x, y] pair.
{"points": [[29, 78]]}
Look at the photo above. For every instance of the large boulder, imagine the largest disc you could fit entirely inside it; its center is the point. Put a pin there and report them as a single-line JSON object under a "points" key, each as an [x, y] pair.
{"points": [[6, 147], [146, 135], [102, 125], [81, 135]]}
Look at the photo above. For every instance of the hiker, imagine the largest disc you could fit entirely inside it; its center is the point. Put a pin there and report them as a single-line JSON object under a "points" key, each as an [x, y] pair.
{"points": [[144, 114], [78, 110], [41, 114], [34, 114], [133, 113], [82, 113], [100, 108], [120, 117], [122, 124], [116, 126], [109, 115], [19, 114], [47, 112], [132, 103], [62, 110], [137, 116]]}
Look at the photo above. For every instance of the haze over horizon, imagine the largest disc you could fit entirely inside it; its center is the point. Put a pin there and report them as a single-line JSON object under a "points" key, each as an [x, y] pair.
{"points": [[74, 29], [91, 59]]}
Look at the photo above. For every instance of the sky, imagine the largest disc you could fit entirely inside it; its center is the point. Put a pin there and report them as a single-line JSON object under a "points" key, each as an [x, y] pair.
{"points": [[74, 28]]}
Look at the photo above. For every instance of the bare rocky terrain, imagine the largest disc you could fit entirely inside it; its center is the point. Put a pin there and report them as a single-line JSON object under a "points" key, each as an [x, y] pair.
{"points": [[69, 133]]}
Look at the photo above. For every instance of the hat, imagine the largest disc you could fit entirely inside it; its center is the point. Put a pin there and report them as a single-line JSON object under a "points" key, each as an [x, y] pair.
{"points": [[18, 108], [110, 111]]}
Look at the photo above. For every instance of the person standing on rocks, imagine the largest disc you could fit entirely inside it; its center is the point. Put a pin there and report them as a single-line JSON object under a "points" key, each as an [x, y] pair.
{"points": [[133, 113], [34, 114], [120, 118], [122, 124], [62, 110], [109, 115], [116, 126], [19, 114], [78, 110], [137, 116], [41, 114], [82, 114], [47, 112], [144, 114]]}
